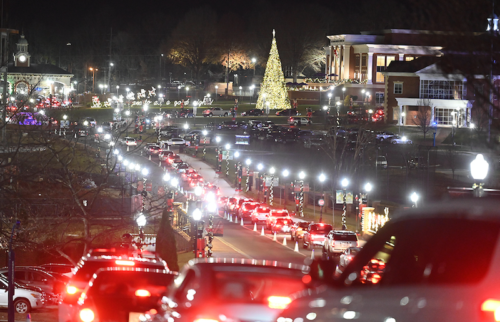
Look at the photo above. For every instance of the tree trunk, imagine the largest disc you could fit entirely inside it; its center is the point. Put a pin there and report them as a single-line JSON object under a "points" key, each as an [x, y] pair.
{"points": [[166, 246]]}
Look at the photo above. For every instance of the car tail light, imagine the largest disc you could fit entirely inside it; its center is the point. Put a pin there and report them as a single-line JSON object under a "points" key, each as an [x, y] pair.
{"points": [[87, 315], [70, 289], [279, 302], [142, 293], [492, 305], [376, 278], [124, 262]]}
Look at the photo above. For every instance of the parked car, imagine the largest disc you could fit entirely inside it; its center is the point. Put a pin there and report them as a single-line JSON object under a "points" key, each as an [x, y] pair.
{"points": [[215, 111], [382, 136], [287, 137], [176, 141], [25, 300], [183, 113], [36, 277], [298, 121], [315, 142], [381, 162], [287, 112], [128, 141], [253, 112], [400, 140]]}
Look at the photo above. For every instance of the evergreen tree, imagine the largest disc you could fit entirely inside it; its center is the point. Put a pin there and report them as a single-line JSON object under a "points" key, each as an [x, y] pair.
{"points": [[273, 92]]}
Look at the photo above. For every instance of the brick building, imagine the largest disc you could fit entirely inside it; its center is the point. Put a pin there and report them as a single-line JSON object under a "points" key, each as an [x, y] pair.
{"points": [[355, 63], [426, 90]]}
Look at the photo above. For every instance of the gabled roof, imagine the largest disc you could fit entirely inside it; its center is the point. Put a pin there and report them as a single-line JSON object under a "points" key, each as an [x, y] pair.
{"points": [[38, 69], [413, 66]]}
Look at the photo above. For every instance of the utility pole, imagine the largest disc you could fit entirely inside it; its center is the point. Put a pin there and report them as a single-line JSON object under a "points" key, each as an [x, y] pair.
{"points": [[5, 63], [110, 63]]}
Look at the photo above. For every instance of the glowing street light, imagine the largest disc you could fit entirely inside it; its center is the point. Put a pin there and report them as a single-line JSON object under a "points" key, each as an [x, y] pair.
{"points": [[285, 173], [479, 168], [141, 220], [414, 198]]}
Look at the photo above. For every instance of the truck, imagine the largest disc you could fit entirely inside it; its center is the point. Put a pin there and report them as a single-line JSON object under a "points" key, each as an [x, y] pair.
{"points": [[215, 111]]}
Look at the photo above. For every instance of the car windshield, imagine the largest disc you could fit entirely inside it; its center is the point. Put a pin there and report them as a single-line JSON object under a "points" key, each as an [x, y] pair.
{"points": [[87, 268], [303, 224]]}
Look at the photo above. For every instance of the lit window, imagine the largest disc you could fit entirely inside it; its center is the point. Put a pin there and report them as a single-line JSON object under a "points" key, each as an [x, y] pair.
{"points": [[398, 88]]}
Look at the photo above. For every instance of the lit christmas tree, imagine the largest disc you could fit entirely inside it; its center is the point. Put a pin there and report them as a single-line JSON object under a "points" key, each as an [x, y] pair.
{"points": [[273, 92]]}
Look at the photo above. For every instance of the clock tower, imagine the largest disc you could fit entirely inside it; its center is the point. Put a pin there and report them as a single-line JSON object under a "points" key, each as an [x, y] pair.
{"points": [[22, 58]]}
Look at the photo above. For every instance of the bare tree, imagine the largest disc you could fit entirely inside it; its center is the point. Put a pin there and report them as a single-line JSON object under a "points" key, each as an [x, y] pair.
{"points": [[423, 118]]}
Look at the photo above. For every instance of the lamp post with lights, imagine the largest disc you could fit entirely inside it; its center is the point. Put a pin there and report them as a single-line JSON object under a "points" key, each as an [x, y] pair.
{"points": [[218, 154], [479, 170], [227, 146], [197, 221], [93, 70], [271, 187], [322, 178], [302, 176], [260, 167], [344, 184], [204, 132], [248, 162]]}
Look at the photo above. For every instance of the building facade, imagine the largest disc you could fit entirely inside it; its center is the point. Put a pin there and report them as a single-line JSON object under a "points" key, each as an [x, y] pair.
{"points": [[357, 62], [25, 77], [421, 90]]}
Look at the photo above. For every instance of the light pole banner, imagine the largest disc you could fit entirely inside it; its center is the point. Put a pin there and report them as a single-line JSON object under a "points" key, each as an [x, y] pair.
{"points": [[276, 181], [339, 197]]}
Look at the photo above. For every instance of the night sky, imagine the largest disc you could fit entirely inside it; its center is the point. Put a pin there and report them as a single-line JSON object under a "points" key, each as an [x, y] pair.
{"points": [[58, 15]]}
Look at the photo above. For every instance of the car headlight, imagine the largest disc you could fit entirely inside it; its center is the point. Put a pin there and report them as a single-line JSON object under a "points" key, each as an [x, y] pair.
{"points": [[35, 295]]}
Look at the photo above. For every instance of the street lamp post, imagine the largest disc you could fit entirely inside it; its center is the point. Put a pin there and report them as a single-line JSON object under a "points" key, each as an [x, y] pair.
{"points": [[322, 178], [344, 183], [302, 176], [325, 110], [204, 132], [10, 277], [343, 93], [196, 218], [248, 162], [93, 70], [254, 60], [259, 167], [218, 160], [216, 92], [252, 89], [401, 121], [271, 187], [414, 198], [479, 170]]}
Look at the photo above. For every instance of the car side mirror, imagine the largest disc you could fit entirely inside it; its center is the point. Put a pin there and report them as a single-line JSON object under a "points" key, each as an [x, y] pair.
{"points": [[322, 271]]}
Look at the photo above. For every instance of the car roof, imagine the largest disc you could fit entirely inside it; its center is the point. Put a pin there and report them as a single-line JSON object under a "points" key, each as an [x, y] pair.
{"points": [[344, 232], [244, 262], [464, 208]]}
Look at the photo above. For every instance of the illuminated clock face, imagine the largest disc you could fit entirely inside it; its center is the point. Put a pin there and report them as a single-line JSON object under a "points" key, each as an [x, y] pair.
{"points": [[22, 58]]}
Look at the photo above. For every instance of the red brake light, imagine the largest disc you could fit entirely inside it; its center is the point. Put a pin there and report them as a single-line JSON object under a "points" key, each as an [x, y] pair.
{"points": [[87, 315], [321, 225], [142, 293], [124, 262], [70, 289], [279, 302]]}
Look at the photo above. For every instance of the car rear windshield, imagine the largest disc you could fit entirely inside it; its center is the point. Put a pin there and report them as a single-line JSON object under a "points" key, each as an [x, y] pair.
{"points": [[251, 206], [85, 272], [279, 214], [345, 237], [254, 287], [321, 229], [303, 224]]}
